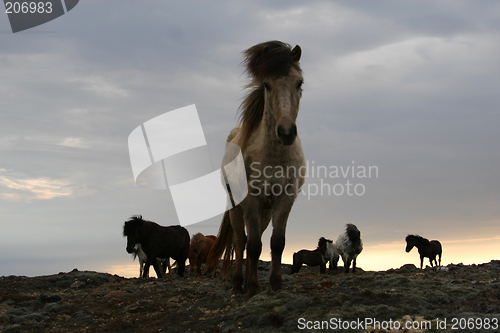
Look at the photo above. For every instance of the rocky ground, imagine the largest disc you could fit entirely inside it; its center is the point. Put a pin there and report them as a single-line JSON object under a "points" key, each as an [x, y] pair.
{"points": [[98, 302]]}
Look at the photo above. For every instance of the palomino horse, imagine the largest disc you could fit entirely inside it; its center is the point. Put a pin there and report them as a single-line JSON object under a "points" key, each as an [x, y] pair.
{"points": [[198, 251], [274, 163], [157, 242], [426, 248]]}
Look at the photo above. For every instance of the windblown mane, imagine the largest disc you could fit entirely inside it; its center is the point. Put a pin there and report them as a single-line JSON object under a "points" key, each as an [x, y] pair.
{"points": [[198, 242], [131, 224], [419, 239], [269, 59], [353, 233]]}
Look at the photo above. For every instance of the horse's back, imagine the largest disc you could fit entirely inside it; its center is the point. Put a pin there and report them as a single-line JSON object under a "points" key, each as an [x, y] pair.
{"points": [[210, 242], [172, 241]]}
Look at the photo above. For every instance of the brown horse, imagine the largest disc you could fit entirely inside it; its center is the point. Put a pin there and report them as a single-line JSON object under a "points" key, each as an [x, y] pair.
{"points": [[311, 258], [274, 163], [198, 251]]}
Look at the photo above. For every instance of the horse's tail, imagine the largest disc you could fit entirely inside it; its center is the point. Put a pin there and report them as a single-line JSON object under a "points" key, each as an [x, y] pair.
{"points": [[223, 243], [440, 252]]}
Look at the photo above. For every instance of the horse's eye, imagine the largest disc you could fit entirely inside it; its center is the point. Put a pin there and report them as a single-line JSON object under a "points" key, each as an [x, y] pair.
{"points": [[299, 84], [267, 86]]}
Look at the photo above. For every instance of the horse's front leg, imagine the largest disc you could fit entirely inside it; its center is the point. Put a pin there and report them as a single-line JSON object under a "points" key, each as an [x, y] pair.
{"points": [[199, 263], [280, 218], [141, 268], [145, 269], [254, 249], [322, 268], [154, 262], [421, 262], [354, 265], [239, 241]]}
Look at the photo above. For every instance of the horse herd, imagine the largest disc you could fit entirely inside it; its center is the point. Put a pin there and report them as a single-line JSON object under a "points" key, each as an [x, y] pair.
{"points": [[348, 246], [155, 245], [267, 136]]}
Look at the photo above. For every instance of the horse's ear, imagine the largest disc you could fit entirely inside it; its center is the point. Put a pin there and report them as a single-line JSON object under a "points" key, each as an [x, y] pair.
{"points": [[296, 53]]}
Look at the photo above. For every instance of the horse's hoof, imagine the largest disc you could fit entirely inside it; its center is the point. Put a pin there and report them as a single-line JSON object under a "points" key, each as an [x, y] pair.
{"points": [[276, 287], [276, 283], [237, 290], [250, 293]]}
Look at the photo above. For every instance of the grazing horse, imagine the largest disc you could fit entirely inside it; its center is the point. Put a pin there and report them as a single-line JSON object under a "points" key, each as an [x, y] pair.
{"points": [[426, 248], [311, 258], [198, 250], [331, 255], [163, 263], [349, 246], [274, 164], [157, 242]]}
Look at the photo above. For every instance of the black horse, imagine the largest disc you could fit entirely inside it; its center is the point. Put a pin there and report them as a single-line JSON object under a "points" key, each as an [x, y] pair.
{"points": [[311, 258], [157, 242], [426, 248]]}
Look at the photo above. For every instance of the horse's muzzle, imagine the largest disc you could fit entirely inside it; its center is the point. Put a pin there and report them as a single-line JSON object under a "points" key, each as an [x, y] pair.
{"points": [[286, 136], [129, 249]]}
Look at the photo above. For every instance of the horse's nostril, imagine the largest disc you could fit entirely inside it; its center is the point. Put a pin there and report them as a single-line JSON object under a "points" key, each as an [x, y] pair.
{"points": [[281, 131], [286, 136]]}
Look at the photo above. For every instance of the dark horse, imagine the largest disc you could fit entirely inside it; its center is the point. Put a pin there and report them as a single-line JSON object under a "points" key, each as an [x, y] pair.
{"points": [[425, 248], [157, 242], [311, 258]]}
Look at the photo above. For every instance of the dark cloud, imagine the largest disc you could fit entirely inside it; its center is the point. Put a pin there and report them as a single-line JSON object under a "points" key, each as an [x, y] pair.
{"points": [[410, 87]]}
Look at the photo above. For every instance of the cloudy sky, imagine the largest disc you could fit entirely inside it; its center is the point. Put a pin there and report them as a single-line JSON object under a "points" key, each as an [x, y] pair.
{"points": [[408, 88]]}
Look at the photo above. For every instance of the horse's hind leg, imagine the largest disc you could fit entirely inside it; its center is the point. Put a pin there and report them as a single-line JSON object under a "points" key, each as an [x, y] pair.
{"points": [[295, 268], [347, 264], [181, 266]]}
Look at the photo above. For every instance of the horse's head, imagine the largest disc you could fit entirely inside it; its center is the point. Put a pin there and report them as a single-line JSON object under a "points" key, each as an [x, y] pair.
{"points": [[131, 230], [322, 245], [193, 257], [409, 243], [274, 67]]}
